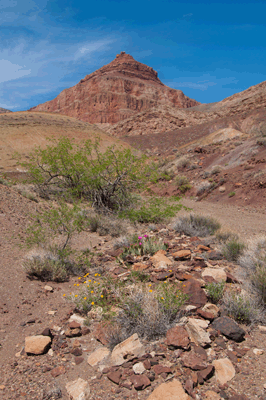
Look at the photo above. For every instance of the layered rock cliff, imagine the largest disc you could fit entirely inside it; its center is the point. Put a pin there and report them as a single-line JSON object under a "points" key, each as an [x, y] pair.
{"points": [[115, 92]]}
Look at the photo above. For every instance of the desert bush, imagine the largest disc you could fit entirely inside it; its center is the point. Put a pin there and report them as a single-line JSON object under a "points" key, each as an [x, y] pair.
{"points": [[202, 188], [46, 265], [196, 225], [231, 194], [183, 162], [106, 179], [241, 307], [216, 169], [233, 249], [253, 260], [182, 183], [153, 210], [215, 291], [62, 221], [122, 241], [141, 245], [225, 236], [150, 313]]}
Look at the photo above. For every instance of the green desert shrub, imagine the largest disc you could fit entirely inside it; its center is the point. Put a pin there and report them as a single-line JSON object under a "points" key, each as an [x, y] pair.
{"points": [[215, 291], [196, 225], [233, 249], [182, 183], [152, 210], [106, 179]]}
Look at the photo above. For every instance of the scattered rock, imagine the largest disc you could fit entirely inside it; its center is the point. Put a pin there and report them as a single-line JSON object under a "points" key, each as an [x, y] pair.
{"points": [[98, 356], [224, 370], [114, 376], [193, 361], [77, 318], [258, 352], [229, 328], [218, 274], [177, 337], [48, 288], [182, 255], [197, 296], [169, 391], [78, 389], [211, 395], [58, 371], [140, 382], [212, 308], [159, 258], [139, 368], [196, 333], [37, 344], [130, 347]]}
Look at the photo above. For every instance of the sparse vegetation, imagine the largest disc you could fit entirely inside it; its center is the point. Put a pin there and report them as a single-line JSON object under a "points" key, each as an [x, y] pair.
{"points": [[196, 225], [183, 162], [141, 245], [231, 194], [253, 261], [215, 291], [182, 183], [154, 210], [216, 169], [233, 249], [241, 307]]}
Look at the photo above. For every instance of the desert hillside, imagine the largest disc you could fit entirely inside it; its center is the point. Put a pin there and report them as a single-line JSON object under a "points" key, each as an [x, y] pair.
{"points": [[21, 132]]}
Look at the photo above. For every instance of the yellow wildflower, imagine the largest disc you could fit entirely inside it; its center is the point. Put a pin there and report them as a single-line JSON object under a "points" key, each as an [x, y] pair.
{"points": [[92, 303], [85, 298], [92, 291], [76, 295], [63, 294], [150, 291], [101, 295]]}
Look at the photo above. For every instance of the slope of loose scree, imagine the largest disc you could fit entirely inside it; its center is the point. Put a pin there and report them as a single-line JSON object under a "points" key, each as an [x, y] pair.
{"points": [[206, 359]]}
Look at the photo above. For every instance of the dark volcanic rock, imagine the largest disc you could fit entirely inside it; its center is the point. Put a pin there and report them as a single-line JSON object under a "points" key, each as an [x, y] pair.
{"points": [[229, 328]]}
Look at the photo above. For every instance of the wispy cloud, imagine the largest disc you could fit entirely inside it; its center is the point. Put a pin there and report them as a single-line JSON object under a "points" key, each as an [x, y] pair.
{"points": [[11, 71]]}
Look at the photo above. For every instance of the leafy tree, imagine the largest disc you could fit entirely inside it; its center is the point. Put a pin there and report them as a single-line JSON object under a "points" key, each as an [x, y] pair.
{"points": [[106, 179]]}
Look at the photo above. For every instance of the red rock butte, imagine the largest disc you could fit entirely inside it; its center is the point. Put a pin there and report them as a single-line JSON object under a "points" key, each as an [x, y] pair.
{"points": [[115, 92]]}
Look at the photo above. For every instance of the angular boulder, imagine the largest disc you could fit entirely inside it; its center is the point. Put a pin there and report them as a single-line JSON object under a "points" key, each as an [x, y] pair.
{"points": [[224, 370], [130, 347], [177, 337], [37, 344], [98, 356], [196, 333], [229, 328]]}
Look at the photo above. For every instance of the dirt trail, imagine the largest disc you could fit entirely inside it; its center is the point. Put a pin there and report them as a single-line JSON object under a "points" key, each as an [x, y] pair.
{"points": [[247, 222]]}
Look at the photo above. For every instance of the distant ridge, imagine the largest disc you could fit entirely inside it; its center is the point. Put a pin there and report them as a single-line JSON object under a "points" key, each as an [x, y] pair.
{"points": [[3, 110], [116, 91]]}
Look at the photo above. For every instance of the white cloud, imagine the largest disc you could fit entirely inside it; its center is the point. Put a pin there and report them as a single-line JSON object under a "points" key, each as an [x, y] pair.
{"points": [[10, 71]]}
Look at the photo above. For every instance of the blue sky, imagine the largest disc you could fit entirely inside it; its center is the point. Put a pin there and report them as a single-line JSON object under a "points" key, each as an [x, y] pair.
{"points": [[209, 50]]}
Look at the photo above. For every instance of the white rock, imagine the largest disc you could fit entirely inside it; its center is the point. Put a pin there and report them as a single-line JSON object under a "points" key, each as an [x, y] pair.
{"points": [[218, 274], [50, 352], [77, 318], [130, 347], [258, 352], [262, 328], [139, 368], [202, 323], [224, 370], [190, 308], [196, 333], [52, 312], [78, 390], [48, 288], [98, 356]]}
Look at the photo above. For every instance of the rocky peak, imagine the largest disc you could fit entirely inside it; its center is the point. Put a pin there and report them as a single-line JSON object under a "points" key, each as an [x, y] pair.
{"points": [[125, 66], [116, 91]]}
